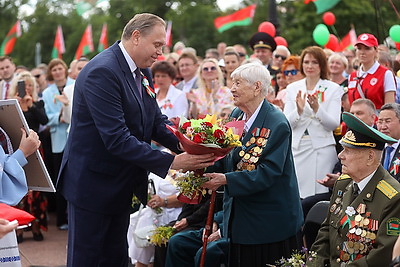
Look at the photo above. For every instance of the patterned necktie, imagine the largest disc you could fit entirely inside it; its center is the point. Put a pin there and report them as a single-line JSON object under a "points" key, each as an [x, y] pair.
{"points": [[388, 151], [138, 81], [6, 93]]}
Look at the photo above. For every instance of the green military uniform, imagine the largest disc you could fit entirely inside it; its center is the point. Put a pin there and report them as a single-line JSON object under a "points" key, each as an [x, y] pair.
{"points": [[367, 237], [360, 230]]}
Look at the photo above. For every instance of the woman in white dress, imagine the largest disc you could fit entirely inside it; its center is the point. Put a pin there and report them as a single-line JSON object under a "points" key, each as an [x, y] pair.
{"points": [[172, 101], [313, 110], [165, 199]]}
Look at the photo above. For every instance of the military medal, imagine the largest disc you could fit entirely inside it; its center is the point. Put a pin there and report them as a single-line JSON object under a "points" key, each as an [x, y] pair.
{"points": [[251, 152]]}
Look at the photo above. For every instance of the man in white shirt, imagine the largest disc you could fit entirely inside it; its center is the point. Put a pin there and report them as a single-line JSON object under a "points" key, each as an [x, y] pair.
{"points": [[7, 68], [187, 66]]}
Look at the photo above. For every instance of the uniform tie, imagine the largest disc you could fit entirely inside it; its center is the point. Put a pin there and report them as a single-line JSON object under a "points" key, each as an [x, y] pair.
{"points": [[388, 151], [355, 191]]}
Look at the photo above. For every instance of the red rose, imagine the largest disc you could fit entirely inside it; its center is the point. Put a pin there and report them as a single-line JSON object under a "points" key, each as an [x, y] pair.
{"points": [[198, 138], [219, 134], [186, 125], [207, 124]]}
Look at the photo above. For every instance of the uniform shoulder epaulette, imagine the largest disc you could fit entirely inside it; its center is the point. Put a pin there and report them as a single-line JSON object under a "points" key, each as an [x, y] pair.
{"points": [[386, 189], [344, 177]]}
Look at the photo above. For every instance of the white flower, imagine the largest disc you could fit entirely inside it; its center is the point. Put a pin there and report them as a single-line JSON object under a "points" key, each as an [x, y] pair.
{"points": [[350, 211]]}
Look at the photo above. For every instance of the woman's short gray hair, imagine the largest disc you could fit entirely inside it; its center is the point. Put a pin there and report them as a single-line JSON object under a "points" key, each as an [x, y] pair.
{"points": [[339, 56], [144, 23], [252, 73]]}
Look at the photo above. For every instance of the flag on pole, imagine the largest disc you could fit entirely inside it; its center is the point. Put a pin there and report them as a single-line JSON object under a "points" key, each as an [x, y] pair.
{"points": [[103, 42], [86, 44], [324, 5], [348, 41], [58, 46], [8, 44], [168, 36], [242, 17]]}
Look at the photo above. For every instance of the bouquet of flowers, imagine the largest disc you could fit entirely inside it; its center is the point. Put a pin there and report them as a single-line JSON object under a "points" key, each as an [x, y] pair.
{"points": [[297, 259], [203, 136], [161, 235]]}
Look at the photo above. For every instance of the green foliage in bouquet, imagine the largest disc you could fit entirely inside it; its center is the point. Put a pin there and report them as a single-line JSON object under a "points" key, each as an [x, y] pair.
{"points": [[136, 201], [161, 235], [189, 184], [298, 259]]}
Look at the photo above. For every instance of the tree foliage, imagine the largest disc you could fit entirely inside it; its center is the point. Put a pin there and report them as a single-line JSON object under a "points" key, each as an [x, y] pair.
{"points": [[192, 22]]}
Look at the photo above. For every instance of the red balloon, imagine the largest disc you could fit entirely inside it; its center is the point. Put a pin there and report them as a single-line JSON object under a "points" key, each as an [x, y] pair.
{"points": [[333, 43], [329, 18], [398, 46], [267, 27], [279, 40]]}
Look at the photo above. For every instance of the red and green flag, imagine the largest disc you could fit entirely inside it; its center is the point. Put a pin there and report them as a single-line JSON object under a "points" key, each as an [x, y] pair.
{"points": [[86, 44], [103, 42], [8, 44], [324, 5], [58, 46], [242, 17], [348, 41], [168, 36]]}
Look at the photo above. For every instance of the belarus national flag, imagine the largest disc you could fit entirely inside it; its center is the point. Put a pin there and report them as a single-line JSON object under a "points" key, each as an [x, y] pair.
{"points": [[8, 44], [86, 44], [103, 42], [348, 41], [59, 46], [242, 17], [168, 36]]}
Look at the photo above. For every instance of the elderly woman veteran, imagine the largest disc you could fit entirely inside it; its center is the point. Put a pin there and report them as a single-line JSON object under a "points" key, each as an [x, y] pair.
{"points": [[262, 210]]}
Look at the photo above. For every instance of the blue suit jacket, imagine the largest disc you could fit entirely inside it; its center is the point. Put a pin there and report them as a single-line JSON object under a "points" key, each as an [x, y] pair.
{"points": [[108, 153], [263, 205]]}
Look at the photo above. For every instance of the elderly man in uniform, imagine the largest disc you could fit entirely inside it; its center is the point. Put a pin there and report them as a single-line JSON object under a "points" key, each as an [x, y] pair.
{"points": [[363, 220]]}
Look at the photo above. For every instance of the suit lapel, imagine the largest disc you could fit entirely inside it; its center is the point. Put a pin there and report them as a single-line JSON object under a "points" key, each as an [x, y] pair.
{"points": [[394, 168], [128, 76]]}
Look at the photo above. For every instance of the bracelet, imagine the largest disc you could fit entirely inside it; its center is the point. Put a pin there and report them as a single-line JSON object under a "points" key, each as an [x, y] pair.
{"points": [[165, 202]]}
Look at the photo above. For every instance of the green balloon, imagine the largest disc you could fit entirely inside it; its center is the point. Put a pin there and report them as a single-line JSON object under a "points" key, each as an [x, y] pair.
{"points": [[321, 34], [394, 33]]}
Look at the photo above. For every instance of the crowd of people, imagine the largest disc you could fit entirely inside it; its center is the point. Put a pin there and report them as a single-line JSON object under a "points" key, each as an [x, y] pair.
{"points": [[319, 126]]}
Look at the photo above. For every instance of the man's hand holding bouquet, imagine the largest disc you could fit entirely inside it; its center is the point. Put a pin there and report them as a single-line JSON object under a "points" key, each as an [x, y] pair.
{"points": [[203, 136]]}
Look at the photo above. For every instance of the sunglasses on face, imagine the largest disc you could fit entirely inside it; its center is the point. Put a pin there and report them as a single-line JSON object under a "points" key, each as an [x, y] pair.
{"points": [[292, 72], [280, 56], [241, 54], [209, 69], [37, 76]]}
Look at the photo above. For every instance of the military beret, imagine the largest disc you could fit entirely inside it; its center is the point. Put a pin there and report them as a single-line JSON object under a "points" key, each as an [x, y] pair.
{"points": [[360, 135], [262, 40]]}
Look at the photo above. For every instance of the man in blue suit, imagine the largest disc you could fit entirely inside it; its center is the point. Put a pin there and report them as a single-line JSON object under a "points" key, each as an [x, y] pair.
{"points": [[108, 153]]}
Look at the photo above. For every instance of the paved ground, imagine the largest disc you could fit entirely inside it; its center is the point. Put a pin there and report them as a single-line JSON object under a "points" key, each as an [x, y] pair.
{"points": [[51, 252]]}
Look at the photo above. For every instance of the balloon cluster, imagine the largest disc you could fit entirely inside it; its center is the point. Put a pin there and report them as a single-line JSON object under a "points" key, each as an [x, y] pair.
{"points": [[269, 28], [321, 33], [394, 33]]}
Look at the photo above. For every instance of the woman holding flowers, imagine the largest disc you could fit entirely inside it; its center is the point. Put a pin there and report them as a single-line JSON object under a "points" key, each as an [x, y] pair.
{"points": [[261, 211], [211, 96], [313, 107]]}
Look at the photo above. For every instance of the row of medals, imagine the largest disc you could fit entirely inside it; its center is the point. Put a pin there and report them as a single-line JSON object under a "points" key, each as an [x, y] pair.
{"points": [[251, 152], [361, 236]]}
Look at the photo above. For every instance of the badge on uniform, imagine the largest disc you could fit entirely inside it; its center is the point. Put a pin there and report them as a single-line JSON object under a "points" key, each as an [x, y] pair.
{"points": [[393, 226]]}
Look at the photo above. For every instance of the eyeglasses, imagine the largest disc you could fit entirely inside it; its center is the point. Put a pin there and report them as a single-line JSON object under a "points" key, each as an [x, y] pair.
{"points": [[292, 72], [241, 54], [280, 56], [209, 69], [37, 76]]}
